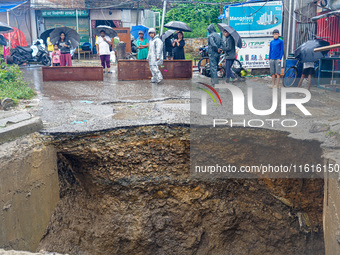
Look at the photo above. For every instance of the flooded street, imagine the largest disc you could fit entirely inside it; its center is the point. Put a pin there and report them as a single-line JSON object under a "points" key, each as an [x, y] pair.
{"points": [[85, 106]]}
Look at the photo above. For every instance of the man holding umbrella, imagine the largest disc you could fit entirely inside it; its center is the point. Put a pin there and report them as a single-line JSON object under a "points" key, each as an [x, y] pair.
{"points": [[214, 46], [230, 55], [155, 56], [233, 39], [103, 44]]}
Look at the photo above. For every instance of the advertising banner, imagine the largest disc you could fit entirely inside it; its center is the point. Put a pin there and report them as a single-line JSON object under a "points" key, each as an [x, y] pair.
{"points": [[255, 52], [256, 19]]}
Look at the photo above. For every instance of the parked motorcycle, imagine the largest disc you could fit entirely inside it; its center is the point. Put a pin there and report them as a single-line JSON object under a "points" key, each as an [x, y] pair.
{"points": [[37, 53]]}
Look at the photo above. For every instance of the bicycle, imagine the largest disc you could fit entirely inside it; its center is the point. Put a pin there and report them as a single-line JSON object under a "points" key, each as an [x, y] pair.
{"points": [[290, 75], [236, 68], [205, 57]]}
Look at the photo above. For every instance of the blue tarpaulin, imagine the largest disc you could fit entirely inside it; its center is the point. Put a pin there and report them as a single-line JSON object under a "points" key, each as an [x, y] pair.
{"points": [[5, 5]]}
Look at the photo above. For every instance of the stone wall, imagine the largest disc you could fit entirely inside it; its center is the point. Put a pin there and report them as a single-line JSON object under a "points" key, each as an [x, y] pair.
{"points": [[29, 192], [193, 44]]}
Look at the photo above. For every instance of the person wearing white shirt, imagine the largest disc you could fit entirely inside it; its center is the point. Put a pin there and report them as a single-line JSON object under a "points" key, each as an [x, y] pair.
{"points": [[103, 44]]}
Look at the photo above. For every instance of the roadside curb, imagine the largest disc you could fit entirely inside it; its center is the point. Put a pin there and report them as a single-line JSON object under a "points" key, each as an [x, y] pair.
{"points": [[20, 129]]}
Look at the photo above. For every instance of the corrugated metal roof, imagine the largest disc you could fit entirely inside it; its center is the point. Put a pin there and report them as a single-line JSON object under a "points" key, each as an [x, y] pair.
{"points": [[9, 5]]}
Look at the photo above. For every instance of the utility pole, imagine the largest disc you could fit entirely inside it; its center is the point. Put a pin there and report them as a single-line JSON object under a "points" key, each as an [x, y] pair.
{"points": [[137, 13], [77, 21], [163, 16], [9, 34]]}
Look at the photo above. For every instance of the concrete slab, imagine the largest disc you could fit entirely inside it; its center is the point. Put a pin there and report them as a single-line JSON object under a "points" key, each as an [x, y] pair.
{"points": [[19, 129], [13, 117]]}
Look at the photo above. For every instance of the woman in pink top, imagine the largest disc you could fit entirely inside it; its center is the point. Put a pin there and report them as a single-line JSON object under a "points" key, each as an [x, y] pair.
{"points": [[56, 56]]}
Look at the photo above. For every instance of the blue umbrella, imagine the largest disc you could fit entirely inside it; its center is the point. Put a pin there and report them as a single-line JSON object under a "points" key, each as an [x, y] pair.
{"points": [[135, 29]]}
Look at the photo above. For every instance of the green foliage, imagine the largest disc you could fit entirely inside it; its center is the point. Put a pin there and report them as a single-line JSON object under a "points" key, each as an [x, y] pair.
{"points": [[12, 84], [197, 16]]}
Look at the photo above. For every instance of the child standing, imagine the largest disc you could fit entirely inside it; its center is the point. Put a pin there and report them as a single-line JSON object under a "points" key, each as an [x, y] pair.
{"points": [[56, 56], [275, 56]]}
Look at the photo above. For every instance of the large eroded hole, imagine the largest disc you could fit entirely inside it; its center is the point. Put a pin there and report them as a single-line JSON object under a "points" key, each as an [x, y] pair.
{"points": [[129, 191]]}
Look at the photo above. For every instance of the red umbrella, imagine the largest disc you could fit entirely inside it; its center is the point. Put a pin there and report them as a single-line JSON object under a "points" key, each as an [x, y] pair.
{"points": [[17, 38]]}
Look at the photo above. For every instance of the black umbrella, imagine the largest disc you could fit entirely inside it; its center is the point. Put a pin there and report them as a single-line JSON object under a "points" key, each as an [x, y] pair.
{"points": [[108, 31], [167, 34], [305, 52], [46, 34], [70, 34], [178, 25], [4, 28], [3, 40], [232, 32]]}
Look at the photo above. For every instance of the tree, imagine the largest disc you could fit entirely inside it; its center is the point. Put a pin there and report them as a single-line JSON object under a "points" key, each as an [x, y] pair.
{"points": [[197, 16]]}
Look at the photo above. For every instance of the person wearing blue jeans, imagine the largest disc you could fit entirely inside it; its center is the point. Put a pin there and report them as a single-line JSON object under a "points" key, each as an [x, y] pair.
{"points": [[275, 56], [228, 48]]}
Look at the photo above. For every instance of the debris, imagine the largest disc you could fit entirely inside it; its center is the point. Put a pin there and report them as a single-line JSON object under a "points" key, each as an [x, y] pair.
{"points": [[78, 122], [304, 222], [316, 128], [277, 216], [6, 104], [283, 200], [86, 102]]}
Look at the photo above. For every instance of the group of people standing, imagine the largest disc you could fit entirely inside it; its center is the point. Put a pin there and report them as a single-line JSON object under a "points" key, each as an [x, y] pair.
{"points": [[215, 47], [155, 51], [173, 46], [60, 51]]}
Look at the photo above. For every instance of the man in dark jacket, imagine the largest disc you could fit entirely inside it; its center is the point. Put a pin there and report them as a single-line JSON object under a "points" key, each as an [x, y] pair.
{"points": [[230, 54], [214, 46]]}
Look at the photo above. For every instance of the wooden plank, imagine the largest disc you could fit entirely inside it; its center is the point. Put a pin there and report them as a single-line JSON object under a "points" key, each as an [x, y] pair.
{"points": [[71, 73], [330, 47], [129, 70], [124, 35]]}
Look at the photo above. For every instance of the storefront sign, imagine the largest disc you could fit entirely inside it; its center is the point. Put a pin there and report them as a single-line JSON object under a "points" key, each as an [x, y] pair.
{"points": [[256, 19], [57, 4], [67, 13], [254, 52]]}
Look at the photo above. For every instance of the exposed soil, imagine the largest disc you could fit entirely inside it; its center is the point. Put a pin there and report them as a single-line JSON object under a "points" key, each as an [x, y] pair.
{"points": [[129, 191]]}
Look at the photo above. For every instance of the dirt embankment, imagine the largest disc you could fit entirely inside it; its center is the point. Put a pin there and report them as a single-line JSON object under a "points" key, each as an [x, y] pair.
{"points": [[129, 191]]}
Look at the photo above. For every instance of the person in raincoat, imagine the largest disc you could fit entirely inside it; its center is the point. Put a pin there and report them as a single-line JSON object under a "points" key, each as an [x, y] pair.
{"points": [[214, 50], [155, 56], [228, 48]]}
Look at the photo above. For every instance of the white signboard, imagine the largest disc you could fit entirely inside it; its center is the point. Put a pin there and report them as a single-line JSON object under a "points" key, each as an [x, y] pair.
{"points": [[254, 52]]}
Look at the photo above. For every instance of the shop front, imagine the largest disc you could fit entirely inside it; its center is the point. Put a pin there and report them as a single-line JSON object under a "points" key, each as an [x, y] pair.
{"points": [[68, 18]]}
